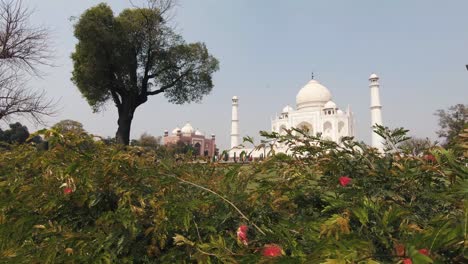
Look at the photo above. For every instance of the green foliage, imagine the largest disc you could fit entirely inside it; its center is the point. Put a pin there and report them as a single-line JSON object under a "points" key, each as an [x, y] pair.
{"points": [[84, 201], [134, 55], [178, 148]]}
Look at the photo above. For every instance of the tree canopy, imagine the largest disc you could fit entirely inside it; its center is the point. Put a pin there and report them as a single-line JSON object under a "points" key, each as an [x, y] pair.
{"points": [[147, 140], [68, 125], [16, 134], [452, 122], [134, 55]]}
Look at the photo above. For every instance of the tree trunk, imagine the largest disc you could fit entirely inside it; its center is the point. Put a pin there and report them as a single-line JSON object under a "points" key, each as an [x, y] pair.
{"points": [[126, 110]]}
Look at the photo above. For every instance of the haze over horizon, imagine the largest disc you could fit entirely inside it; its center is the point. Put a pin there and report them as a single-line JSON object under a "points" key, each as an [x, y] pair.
{"points": [[267, 50]]}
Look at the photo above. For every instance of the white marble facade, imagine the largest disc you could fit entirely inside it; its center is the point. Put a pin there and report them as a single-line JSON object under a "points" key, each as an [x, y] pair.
{"points": [[317, 113]]}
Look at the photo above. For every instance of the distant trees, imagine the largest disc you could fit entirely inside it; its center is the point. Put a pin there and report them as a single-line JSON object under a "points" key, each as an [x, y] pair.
{"points": [[417, 146], [147, 140], [17, 133], [68, 125], [137, 55], [22, 48], [452, 122]]}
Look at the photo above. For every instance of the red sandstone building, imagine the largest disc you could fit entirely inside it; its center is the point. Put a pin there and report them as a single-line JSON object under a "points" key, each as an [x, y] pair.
{"points": [[203, 146]]}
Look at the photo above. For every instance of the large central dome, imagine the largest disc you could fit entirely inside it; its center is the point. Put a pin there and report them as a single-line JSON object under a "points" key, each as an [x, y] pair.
{"points": [[313, 94]]}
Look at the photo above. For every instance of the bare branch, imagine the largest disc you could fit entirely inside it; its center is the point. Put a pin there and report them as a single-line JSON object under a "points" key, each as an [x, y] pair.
{"points": [[164, 6], [17, 100], [21, 45], [170, 85], [22, 49]]}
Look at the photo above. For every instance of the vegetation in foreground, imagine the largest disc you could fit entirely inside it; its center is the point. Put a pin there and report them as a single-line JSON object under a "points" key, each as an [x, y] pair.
{"points": [[84, 201]]}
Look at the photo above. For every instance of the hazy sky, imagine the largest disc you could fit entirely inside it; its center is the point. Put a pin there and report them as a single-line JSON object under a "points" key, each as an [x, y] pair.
{"points": [[267, 50]]}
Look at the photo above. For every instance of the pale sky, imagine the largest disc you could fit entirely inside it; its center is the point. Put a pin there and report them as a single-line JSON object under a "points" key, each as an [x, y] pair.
{"points": [[267, 50]]}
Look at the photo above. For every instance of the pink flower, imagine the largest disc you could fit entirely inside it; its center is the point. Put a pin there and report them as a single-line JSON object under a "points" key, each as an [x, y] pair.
{"points": [[242, 234], [407, 261], [272, 250], [344, 180], [67, 190], [424, 251]]}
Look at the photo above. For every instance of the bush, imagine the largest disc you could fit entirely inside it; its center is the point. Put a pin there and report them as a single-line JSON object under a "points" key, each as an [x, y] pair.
{"points": [[84, 201]]}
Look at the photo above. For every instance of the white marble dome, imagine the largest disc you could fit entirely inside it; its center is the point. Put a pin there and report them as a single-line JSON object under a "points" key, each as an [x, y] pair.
{"points": [[187, 129], [330, 104], [287, 109], [199, 133], [313, 94], [174, 131]]}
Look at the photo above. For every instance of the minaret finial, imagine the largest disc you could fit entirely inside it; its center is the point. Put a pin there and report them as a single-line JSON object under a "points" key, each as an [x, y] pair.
{"points": [[312, 75]]}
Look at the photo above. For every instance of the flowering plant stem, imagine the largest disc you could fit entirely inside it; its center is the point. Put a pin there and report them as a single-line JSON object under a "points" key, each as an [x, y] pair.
{"points": [[224, 199]]}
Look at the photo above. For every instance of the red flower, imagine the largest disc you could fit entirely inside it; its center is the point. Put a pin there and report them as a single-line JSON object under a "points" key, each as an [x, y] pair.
{"points": [[242, 234], [272, 250], [424, 251], [243, 228], [344, 180], [67, 190], [429, 157], [400, 250], [407, 261]]}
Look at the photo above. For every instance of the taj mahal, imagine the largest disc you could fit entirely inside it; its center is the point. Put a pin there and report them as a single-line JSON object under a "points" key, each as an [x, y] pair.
{"points": [[315, 113]]}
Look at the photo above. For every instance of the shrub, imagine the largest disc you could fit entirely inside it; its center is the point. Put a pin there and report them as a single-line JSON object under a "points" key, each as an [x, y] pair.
{"points": [[84, 201]]}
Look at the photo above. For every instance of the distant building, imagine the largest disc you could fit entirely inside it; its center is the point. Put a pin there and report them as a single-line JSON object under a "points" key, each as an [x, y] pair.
{"points": [[188, 135], [315, 113]]}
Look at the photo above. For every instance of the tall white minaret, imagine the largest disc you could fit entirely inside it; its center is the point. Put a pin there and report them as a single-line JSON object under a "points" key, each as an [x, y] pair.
{"points": [[235, 123], [376, 110]]}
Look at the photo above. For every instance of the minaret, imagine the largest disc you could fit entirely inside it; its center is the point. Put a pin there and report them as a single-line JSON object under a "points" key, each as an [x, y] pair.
{"points": [[235, 123], [376, 110]]}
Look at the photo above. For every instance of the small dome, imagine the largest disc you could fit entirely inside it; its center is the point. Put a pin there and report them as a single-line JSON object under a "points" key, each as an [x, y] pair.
{"points": [[199, 133], [373, 76], [330, 104], [187, 129], [287, 109], [174, 131], [234, 97], [312, 94]]}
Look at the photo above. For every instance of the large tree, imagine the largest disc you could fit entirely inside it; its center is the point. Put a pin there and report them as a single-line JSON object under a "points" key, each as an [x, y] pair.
{"points": [[134, 55]]}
